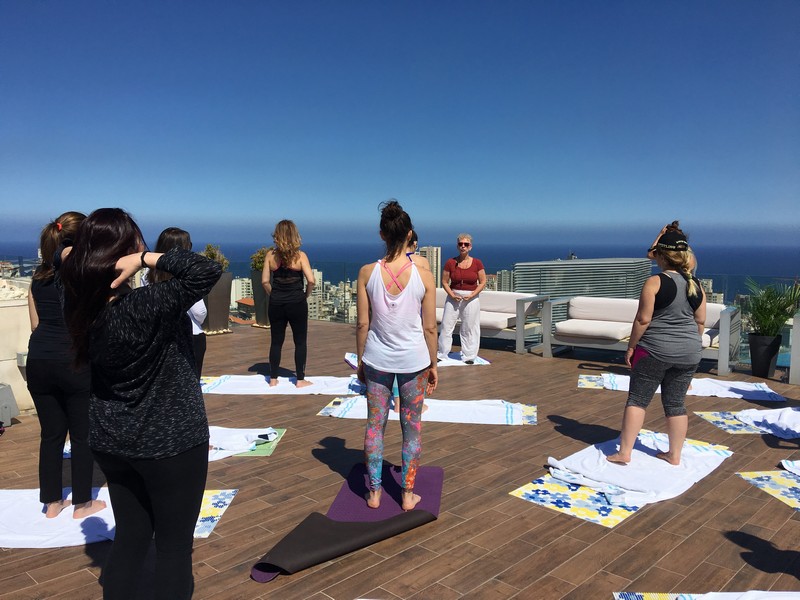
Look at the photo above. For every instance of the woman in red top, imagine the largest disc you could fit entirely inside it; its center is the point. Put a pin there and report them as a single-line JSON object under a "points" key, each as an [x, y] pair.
{"points": [[463, 278]]}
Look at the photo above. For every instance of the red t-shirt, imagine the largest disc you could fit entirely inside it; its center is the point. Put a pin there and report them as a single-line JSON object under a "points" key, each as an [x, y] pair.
{"points": [[463, 279]]}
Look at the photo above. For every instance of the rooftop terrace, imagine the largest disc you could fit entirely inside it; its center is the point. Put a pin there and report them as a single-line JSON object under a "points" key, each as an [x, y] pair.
{"points": [[722, 535]]}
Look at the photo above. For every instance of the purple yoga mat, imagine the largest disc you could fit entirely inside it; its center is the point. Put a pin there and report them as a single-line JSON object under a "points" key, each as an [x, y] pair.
{"points": [[350, 505], [350, 524]]}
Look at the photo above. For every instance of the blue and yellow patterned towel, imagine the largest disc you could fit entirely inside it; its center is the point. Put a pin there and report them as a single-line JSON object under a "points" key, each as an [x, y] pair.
{"points": [[592, 382], [572, 499], [783, 485], [655, 596], [727, 421], [215, 503]]}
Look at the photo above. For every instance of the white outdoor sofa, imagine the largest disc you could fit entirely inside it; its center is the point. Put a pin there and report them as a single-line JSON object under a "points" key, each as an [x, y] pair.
{"points": [[605, 323], [501, 312]]}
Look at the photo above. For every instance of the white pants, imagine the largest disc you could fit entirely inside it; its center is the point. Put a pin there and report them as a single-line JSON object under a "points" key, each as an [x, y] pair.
{"points": [[469, 313]]}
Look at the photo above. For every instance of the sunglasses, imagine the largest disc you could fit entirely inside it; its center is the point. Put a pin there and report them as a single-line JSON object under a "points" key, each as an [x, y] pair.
{"points": [[464, 244]]}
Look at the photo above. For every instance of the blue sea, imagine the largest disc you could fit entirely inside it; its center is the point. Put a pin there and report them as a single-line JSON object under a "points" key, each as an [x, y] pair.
{"points": [[728, 267]]}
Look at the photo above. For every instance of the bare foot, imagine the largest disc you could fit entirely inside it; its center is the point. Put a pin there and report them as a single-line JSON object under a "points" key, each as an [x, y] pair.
{"points": [[373, 498], [410, 500], [669, 458], [54, 508], [618, 459], [273, 382], [301, 383], [83, 510]]}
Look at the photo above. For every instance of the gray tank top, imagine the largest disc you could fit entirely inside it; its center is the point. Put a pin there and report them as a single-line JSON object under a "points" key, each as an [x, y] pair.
{"points": [[672, 335]]}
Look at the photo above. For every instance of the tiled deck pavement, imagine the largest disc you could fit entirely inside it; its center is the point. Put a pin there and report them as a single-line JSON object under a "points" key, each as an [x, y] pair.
{"points": [[722, 534]]}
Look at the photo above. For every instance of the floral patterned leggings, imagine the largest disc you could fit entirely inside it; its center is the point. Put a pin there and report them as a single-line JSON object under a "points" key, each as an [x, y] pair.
{"points": [[379, 397]]}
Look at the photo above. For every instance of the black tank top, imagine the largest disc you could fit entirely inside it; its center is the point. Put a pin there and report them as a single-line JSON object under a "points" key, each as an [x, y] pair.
{"points": [[50, 340], [287, 286]]}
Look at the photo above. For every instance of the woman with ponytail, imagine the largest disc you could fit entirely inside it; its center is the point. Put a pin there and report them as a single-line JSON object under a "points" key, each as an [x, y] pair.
{"points": [[665, 344], [59, 389], [395, 338]]}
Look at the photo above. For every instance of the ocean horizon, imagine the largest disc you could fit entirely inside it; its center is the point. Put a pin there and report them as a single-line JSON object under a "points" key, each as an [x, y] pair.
{"points": [[728, 267]]}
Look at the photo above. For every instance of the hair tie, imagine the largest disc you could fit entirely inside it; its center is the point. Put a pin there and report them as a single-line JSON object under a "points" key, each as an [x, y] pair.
{"points": [[58, 225]]}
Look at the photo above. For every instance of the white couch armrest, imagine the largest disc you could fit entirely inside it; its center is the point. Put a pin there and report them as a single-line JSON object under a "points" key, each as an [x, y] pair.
{"points": [[528, 307], [547, 324]]}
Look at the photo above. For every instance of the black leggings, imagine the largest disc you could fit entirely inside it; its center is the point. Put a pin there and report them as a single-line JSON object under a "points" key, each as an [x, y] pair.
{"points": [[153, 496], [296, 315], [199, 346], [61, 396]]}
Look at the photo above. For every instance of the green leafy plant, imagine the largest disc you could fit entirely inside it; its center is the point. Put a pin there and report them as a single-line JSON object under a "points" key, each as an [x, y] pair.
{"points": [[770, 306], [257, 259], [214, 253]]}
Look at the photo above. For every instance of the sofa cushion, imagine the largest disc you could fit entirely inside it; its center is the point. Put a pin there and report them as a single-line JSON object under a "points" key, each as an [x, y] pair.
{"points": [[603, 309], [589, 328], [713, 311], [710, 338], [497, 320], [503, 302], [441, 297]]}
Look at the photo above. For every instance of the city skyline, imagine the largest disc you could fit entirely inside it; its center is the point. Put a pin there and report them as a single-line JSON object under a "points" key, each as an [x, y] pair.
{"points": [[595, 119]]}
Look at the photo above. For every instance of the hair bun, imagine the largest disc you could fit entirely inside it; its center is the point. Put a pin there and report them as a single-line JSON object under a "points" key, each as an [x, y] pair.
{"points": [[391, 209]]}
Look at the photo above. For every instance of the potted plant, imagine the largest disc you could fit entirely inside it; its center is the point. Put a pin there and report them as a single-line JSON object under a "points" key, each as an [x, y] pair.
{"points": [[218, 300], [260, 297], [769, 308]]}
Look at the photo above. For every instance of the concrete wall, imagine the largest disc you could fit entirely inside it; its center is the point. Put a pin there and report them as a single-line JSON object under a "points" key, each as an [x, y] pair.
{"points": [[15, 329]]}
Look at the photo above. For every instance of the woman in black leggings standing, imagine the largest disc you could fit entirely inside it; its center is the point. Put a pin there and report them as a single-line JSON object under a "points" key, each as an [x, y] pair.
{"points": [[148, 427], [60, 391], [285, 265]]}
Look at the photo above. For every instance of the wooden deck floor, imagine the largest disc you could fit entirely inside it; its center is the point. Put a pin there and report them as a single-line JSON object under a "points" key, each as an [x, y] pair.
{"points": [[722, 535]]}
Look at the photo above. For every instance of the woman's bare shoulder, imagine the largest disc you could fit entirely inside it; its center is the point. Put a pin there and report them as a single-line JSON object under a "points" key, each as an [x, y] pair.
{"points": [[367, 268]]}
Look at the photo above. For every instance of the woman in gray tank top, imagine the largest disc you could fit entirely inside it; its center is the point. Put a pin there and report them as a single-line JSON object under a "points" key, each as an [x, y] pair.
{"points": [[665, 344]]}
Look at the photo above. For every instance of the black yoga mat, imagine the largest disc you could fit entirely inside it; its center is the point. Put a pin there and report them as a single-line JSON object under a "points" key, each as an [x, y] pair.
{"points": [[350, 524]]}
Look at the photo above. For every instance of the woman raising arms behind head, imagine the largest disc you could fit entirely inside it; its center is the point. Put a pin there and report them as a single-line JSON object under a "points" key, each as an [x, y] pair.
{"points": [[148, 427], [285, 265], [396, 338], [665, 344]]}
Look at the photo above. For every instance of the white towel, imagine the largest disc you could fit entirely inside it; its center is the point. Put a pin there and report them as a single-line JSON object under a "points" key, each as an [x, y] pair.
{"points": [[707, 386], [751, 595], [225, 441], [259, 385], [782, 422], [487, 412], [453, 360], [792, 466], [646, 479], [23, 524]]}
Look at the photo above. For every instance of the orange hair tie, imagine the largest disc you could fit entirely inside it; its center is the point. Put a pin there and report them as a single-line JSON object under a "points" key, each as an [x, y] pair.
{"points": [[58, 225]]}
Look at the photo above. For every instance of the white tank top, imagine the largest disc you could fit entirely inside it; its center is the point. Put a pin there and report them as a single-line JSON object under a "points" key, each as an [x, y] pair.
{"points": [[395, 341]]}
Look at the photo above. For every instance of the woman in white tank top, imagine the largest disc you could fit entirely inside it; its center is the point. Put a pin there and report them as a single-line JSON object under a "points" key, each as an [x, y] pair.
{"points": [[396, 338]]}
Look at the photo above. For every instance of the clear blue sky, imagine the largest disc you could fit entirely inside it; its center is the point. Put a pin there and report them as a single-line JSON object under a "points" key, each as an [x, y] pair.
{"points": [[512, 119]]}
